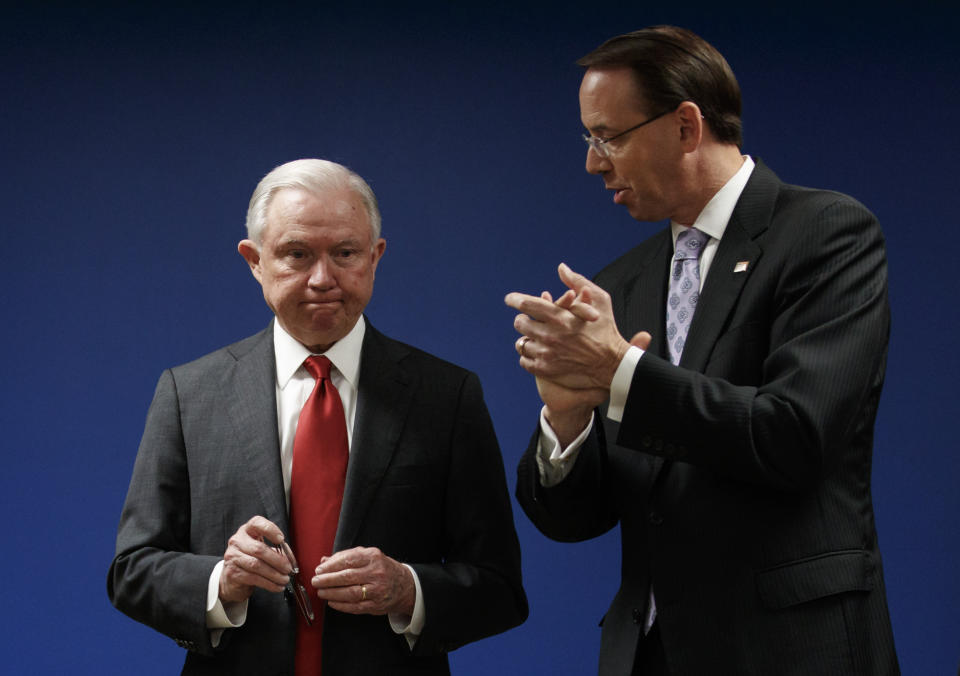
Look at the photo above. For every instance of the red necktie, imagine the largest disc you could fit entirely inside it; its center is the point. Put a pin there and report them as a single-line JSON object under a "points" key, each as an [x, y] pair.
{"points": [[320, 452]]}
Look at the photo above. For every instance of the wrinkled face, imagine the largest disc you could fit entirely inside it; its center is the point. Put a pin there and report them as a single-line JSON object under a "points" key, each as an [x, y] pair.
{"points": [[643, 166], [316, 263]]}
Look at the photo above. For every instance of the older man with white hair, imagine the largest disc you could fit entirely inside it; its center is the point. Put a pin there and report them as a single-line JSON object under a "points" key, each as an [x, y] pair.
{"points": [[318, 498]]}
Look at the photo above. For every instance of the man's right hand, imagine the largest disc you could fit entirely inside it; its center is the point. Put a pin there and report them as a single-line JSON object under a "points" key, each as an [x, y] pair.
{"points": [[250, 561]]}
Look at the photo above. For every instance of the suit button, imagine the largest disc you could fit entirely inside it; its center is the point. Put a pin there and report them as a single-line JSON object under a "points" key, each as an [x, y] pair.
{"points": [[655, 517], [646, 441], [637, 616]]}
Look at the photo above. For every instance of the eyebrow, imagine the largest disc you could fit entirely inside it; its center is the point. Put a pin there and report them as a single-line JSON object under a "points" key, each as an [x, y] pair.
{"points": [[283, 243], [348, 242], [599, 130]]}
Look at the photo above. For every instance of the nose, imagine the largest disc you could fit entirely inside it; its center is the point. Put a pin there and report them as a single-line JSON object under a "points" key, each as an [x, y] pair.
{"points": [[597, 163], [321, 275]]}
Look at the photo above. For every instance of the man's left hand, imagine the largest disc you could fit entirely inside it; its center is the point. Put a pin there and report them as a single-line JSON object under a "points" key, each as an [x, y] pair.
{"points": [[574, 341], [365, 581]]}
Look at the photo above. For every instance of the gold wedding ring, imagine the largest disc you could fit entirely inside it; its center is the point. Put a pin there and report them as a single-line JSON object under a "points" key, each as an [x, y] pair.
{"points": [[523, 344]]}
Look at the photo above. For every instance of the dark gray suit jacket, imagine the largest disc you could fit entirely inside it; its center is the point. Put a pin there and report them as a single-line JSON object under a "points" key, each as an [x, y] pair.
{"points": [[741, 478], [425, 483]]}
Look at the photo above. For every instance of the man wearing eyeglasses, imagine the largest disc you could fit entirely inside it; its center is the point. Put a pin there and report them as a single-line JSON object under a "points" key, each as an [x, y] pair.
{"points": [[714, 391], [318, 498]]}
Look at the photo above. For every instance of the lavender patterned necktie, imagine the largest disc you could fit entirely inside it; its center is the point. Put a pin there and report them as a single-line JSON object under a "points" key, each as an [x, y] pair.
{"points": [[684, 289], [682, 300]]}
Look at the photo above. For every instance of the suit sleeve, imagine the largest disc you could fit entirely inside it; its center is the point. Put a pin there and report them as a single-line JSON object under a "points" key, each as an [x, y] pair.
{"points": [[578, 508], [476, 591], [153, 577], [817, 336]]}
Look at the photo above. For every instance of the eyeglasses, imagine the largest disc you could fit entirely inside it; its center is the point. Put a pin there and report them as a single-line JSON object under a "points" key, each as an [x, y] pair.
{"points": [[294, 588], [599, 145]]}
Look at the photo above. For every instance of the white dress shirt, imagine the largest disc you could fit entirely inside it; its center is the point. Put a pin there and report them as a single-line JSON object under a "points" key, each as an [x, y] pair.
{"points": [[294, 386]]}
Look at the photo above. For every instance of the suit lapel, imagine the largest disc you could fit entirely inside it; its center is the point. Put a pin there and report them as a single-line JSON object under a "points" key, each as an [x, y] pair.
{"points": [[383, 401], [641, 307], [644, 299], [252, 407], [720, 293], [735, 260]]}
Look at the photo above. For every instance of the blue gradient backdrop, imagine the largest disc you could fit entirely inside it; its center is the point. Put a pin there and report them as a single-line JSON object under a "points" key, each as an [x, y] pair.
{"points": [[132, 136]]}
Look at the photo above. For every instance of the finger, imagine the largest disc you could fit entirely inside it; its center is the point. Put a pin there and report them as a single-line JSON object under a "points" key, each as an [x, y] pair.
{"points": [[348, 568], [573, 280], [580, 304], [582, 308], [339, 579], [355, 604], [242, 547], [536, 307], [347, 593], [546, 296], [514, 299], [641, 340], [539, 321], [260, 527], [369, 598], [529, 327], [248, 570], [566, 300], [588, 293], [355, 557]]}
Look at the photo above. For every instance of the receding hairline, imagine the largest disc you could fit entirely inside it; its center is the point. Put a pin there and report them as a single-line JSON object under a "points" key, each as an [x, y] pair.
{"points": [[636, 94], [328, 194], [315, 177]]}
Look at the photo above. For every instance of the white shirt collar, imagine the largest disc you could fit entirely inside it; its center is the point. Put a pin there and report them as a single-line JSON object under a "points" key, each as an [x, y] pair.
{"points": [[715, 216], [344, 354]]}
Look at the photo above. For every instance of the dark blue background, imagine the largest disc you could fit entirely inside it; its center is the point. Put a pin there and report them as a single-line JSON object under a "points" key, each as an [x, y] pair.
{"points": [[131, 138]]}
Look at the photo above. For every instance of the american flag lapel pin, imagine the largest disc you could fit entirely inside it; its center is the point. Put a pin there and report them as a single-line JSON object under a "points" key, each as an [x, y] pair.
{"points": [[741, 266]]}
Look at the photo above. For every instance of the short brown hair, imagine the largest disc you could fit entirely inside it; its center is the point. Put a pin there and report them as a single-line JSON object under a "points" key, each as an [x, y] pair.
{"points": [[672, 65]]}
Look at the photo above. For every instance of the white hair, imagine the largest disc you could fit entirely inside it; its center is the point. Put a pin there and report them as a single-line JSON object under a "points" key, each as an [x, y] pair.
{"points": [[316, 177]]}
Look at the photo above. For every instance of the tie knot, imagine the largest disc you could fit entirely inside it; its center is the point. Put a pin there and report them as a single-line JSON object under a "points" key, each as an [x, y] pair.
{"points": [[690, 244], [318, 366]]}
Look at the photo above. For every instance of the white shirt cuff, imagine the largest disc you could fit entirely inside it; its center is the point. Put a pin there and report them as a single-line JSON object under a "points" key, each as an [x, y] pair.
{"points": [[620, 386], [411, 627], [220, 616], [554, 462]]}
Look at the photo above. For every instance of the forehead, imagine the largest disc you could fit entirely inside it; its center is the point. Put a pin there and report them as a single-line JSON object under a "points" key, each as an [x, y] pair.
{"points": [[610, 97], [294, 210]]}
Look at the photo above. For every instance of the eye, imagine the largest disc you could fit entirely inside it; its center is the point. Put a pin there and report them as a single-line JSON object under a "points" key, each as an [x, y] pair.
{"points": [[296, 256]]}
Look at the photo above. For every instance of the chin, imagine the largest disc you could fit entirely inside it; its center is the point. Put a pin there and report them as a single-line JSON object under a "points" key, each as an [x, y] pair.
{"points": [[639, 213]]}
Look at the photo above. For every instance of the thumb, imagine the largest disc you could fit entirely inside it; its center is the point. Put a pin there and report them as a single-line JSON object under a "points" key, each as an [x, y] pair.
{"points": [[641, 340]]}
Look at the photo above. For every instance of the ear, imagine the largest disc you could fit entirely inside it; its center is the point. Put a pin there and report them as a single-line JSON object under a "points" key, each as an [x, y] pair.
{"points": [[692, 125], [378, 248], [251, 253]]}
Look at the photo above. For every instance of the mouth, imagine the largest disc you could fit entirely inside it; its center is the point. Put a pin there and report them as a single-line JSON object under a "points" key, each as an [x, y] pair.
{"points": [[619, 195], [321, 304]]}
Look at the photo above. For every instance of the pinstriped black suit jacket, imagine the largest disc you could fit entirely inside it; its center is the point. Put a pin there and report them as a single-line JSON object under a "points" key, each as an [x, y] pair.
{"points": [[741, 478]]}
